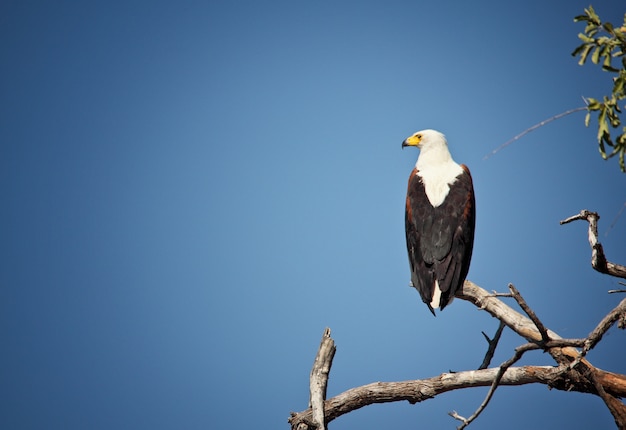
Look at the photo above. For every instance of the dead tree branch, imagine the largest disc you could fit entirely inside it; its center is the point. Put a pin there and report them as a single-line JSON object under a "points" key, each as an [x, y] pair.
{"points": [[598, 259], [319, 378], [562, 350], [604, 325], [531, 314], [519, 352], [493, 343], [419, 390], [615, 406]]}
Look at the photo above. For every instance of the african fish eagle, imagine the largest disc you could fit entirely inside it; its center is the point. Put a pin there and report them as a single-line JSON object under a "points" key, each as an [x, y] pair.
{"points": [[439, 219]]}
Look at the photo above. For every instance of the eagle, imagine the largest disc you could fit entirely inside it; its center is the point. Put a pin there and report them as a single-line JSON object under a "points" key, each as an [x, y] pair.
{"points": [[440, 218]]}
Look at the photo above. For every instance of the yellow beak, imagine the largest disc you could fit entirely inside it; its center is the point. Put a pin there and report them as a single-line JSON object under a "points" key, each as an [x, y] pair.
{"points": [[411, 141]]}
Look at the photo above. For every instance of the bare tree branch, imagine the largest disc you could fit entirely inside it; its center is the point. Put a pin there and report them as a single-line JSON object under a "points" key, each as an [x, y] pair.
{"points": [[604, 325], [519, 352], [615, 406], [493, 343], [531, 314], [560, 349], [588, 343], [514, 320], [598, 259], [319, 378], [419, 390]]}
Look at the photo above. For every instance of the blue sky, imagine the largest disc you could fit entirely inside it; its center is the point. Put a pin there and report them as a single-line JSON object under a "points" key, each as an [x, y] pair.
{"points": [[193, 191]]}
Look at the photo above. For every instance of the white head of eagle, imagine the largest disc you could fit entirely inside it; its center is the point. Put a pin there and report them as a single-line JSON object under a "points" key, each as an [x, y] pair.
{"points": [[439, 219]]}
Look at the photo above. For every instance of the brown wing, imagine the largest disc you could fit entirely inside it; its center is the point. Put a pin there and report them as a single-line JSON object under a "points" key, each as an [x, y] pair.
{"points": [[440, 239]]}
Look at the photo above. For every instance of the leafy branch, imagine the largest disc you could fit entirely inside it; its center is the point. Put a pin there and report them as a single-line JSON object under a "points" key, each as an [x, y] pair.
{"points": [[604, 42]]}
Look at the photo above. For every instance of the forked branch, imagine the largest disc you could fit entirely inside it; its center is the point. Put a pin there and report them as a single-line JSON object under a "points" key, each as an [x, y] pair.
{"points": [[493, 343], [598, 259]]}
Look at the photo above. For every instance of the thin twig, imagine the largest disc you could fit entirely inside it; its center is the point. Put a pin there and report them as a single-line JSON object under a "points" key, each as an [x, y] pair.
{"points": [[607, 322], [456, 416], [494, 293], [534, 127], [519, 352], [619, 214], [493, 343], [564, 343], [531, 314]]}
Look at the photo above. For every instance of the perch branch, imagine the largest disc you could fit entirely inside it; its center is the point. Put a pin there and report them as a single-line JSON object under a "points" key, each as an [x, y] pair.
{"points": [[560, 349], [514, 320], [545, 343], [598, 259]]}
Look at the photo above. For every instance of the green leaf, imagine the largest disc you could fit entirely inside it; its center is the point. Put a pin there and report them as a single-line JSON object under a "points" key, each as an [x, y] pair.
{"points": [[618, 85], [584, 53], [579, 18], [606, 65], [602, 125], [592, 15], [605, 41], [593, 104], [595, 57], [578, 50]]}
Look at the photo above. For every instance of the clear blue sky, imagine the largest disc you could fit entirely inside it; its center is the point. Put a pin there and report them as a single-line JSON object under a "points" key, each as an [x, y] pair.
{"points": [[192, 191]]}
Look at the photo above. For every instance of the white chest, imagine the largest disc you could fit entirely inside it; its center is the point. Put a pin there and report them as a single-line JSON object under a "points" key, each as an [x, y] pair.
{"points": [[437, 181]]}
